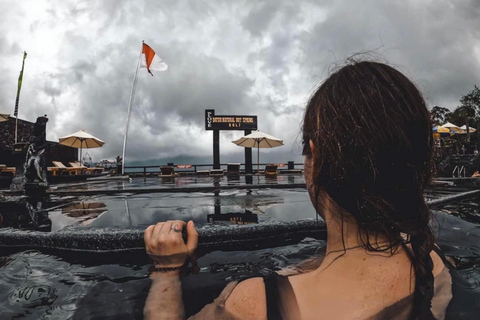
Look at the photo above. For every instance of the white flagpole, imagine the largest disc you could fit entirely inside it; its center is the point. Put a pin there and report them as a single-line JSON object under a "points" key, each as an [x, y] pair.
{"points": [[132, 96]]}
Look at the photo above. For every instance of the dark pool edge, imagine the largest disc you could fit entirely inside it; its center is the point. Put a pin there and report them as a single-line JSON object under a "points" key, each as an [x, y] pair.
{"points": [[452, 198], [116, 239]]}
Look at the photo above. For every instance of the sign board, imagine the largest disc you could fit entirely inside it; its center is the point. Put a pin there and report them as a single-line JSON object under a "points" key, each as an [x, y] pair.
{"points": [[184, 166], [215, 122]]}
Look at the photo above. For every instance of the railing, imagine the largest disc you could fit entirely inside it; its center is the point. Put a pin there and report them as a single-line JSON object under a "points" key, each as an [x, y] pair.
{"points": [[459, 170], [462, 169], [454, 170], [195, 168]]}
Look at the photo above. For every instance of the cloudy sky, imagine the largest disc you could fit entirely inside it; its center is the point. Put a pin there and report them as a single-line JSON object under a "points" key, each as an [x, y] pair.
{"points": [[238, 57]]}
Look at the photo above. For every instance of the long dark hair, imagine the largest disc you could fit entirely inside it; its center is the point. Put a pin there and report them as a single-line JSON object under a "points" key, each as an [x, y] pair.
{"points": [[373, 147]]}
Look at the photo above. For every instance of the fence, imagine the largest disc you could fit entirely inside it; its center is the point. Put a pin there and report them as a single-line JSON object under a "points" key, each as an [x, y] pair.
{"points": [[196, 168]]}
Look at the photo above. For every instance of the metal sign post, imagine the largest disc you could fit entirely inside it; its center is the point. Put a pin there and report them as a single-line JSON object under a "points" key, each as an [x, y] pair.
{"points": [[237, 122]]}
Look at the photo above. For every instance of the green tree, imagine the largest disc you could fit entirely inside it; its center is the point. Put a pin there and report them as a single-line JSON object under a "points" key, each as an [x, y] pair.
{"points": [[472, 100], [469, 108], [459, 116], [438, 114]]}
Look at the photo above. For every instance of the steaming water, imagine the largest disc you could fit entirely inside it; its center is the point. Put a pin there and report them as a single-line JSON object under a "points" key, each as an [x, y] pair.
{"points": [[59, 285]]}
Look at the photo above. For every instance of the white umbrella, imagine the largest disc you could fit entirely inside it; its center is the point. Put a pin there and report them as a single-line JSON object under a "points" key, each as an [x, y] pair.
{"points": [[4, 117], [258, 139], [81, 139], [451, 126], [464, 127]]}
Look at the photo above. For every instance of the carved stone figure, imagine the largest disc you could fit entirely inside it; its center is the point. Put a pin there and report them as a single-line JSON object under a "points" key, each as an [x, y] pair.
{"points": [[35, 166]]}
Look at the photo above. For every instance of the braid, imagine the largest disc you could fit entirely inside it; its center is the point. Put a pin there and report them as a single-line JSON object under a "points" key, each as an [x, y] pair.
{"points": [[422, 242]]}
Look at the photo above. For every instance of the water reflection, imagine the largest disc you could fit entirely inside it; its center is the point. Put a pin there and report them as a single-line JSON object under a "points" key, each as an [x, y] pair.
{"points": [[233, 178], [237, 218], [34, 296], [234, 217], [25, 215], [85, 212], [168, 180], [131, 210]]}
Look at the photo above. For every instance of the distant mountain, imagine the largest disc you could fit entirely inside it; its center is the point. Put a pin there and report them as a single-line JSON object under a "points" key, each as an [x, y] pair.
{"points": [[265, 157], [175, 160]]}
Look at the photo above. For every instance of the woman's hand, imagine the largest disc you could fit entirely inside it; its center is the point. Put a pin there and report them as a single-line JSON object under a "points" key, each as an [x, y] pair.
{"points": [[164, 243]]}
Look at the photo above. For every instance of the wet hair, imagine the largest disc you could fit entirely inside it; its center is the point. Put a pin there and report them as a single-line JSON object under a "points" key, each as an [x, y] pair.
{"points": [[372, 155]]}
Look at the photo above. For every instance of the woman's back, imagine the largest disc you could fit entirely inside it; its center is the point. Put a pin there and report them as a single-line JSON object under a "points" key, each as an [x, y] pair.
{"points": [[357, 285]]}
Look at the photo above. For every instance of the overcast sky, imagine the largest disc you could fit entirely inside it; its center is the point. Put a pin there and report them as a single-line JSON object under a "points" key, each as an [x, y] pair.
{"points": [[238, 57]]}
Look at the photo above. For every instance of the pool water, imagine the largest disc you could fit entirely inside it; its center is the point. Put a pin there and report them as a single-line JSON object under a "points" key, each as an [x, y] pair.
{"points": [[47, 284]]}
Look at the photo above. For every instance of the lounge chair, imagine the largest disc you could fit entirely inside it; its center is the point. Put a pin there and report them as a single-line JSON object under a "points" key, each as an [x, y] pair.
{"points": [[60, 169], [6, 171], [86, 170], [233, 169], [217, 172], [271, 169], [167, 171]]}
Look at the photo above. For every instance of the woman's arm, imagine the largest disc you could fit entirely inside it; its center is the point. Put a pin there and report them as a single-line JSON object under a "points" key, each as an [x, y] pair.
{"points": [[164, 300], [165, 245]]}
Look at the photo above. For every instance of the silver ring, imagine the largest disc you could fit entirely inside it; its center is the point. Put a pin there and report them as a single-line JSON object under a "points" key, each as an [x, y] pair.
{"points": [[174, 228]]}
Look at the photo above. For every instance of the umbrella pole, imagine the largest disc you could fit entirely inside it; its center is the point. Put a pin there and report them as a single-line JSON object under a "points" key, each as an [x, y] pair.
{"points": [[81, 145], [258, 159]]}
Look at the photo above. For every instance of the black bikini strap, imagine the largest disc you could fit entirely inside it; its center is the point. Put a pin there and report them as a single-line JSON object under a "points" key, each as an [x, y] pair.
{"points": [[271, 292], [439, 252]]}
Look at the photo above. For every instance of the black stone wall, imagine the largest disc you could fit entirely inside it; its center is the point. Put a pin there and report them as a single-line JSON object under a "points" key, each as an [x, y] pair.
{"points": [[54, 151]]}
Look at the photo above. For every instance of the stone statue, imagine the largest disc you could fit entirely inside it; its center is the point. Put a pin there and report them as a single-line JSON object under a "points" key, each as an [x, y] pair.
{"points": [[35, 166]]}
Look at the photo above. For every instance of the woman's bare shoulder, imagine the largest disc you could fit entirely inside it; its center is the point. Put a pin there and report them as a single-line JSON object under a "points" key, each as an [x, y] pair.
{"points": [[248, 300]]}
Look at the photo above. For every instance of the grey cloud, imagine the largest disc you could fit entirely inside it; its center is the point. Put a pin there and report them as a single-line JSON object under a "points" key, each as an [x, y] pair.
{"points": [[260, 16], [434, 45], [83, 68], [245, 57]]}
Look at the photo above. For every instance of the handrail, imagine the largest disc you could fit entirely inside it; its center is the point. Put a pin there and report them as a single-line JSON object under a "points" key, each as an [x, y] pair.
{"points": [[462, 169], [454, 170]]}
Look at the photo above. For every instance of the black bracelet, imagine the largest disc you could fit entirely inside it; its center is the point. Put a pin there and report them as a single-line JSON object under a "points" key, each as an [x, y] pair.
{"points": [[165, 269]]}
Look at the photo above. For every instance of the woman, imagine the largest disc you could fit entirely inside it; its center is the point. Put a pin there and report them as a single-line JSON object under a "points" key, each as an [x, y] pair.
{"points": [[367, 144]]}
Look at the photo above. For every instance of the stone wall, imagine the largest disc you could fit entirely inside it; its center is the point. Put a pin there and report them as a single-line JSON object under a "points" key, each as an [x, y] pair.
{"points": [[54, 151]]}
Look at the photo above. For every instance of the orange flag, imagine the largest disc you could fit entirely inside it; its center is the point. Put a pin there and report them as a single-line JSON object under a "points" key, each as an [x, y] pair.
{"points": [[151, 60]]}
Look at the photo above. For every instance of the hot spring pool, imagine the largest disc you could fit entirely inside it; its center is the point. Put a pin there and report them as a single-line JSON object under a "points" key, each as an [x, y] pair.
{"points": [[51, 284]]}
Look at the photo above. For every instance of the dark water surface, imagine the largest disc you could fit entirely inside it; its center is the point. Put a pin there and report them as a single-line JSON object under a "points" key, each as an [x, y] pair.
{"points": [[62, 285]]}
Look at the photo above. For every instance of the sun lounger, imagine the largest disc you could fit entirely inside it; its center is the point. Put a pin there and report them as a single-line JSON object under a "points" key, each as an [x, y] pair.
{"points": [[60, 168], [6, 171], [84, 169], [217, 172], [233, 169], [271, 169], [167, 171]]}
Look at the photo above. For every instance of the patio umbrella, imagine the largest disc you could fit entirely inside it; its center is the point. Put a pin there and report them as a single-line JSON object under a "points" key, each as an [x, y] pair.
{"points": [[81, 139], [452, 127], [4, 117], [443, 132], [258, 139], [464, 128]]}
